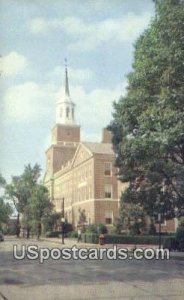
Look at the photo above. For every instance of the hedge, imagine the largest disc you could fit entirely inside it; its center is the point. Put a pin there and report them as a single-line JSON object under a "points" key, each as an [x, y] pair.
{"points": [[96, 228], [170, 243], [122, 239], [180, 236], [92, 238], [132, 239], [67, 230], [53, 234]]}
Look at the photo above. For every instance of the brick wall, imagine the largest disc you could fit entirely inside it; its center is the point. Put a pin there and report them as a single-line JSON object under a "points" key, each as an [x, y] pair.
{"points": [[106, 136], [57, 156], [168, 226], [99, 176], [103, 206], [66, 133], [82, 186]]}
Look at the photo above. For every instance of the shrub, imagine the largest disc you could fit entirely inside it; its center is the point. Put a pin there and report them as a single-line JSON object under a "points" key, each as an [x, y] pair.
{"points": [[135, 228], [152, 229], [53, 234], [121, 239], [92, 228], [92, 238], [96, 228], [118, 226], [170, 243], [67, 230], [72, 234], [102, 229], [131, 239]]}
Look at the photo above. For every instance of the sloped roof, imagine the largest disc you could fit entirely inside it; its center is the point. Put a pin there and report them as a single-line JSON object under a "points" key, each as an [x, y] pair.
{"points": [[100, 148]]}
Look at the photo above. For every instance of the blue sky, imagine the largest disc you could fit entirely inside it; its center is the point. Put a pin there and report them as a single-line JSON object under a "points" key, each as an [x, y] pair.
{"points": [[96, 36]]}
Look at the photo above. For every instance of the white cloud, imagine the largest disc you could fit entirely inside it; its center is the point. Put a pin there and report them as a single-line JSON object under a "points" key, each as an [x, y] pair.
{"points": [[88, 36], [13, 63], [27, 102], [30, 102], [39, 25]]}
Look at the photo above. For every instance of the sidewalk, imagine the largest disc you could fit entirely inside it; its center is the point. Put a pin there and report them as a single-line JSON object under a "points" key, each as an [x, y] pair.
{"points": [[71, 242]]}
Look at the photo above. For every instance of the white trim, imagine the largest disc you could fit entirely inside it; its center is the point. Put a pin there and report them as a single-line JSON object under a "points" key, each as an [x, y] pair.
{"points": [[81, 202], [93, 200], [108, 199], [77, 151], [110, 184]]}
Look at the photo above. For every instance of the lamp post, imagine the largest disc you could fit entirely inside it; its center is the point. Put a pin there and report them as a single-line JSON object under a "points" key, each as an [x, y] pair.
{"points": [[63, 219], [62, 226], [159, 229]]}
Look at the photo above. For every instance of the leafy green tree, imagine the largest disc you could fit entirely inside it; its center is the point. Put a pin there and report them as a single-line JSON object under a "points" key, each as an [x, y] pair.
{"points": [[5, 208], [133, 216], [52, 221], [29, 178], [148, 123], [40, 206], [82, 217], [2, 181], [118, 225], [20, 190], [5, 212], [14, 193]]}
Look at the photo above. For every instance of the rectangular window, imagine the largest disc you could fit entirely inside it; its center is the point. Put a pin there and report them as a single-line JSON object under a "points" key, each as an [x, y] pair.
{"points": [[108, 191], [108, 217], [108, 169]]}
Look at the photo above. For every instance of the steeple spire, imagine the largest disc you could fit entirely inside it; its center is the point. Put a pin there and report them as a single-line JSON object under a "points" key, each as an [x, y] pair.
{"points": [[65, 110], [67, 91]]}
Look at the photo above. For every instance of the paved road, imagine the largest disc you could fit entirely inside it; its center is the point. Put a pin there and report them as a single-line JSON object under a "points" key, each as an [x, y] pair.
{"points": [[83, 280]]}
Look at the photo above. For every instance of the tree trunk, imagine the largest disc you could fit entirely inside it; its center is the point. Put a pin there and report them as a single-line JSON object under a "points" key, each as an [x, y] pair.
{"points": [[18, 226], [28, 232], [39, 231]]}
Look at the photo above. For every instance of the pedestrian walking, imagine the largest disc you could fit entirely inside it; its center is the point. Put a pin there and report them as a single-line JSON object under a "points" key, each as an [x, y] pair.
{"points": [[79, 238]]}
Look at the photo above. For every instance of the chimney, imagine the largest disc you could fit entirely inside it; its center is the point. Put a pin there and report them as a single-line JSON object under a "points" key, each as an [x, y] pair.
{"points": [[106, 136]]}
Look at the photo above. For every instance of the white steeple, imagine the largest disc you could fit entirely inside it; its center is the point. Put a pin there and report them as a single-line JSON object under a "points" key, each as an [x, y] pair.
{"points": [[65, 110]]}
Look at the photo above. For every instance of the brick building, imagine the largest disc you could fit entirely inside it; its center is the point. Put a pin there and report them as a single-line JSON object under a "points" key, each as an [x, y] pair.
{"points": [[82, 173]]}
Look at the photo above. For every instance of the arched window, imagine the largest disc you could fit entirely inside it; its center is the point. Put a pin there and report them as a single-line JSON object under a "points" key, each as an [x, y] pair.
{"points": [[67, 112]]}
